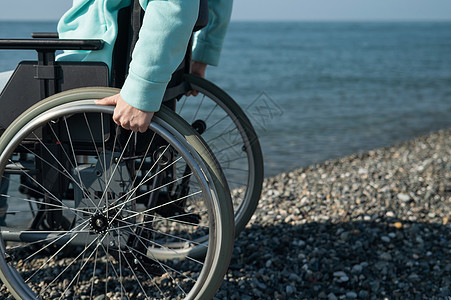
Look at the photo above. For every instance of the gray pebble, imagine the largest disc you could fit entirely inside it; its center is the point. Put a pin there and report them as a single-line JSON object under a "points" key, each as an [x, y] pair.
{"points": [[385, 239], [331, 296], [403, 197], [339, 274], [363, 294], [386, 256], [357, 269], [314, 225]]}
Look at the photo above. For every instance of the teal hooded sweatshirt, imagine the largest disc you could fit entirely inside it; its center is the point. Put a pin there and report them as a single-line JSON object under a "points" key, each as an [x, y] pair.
{"points": [[162, 42]]}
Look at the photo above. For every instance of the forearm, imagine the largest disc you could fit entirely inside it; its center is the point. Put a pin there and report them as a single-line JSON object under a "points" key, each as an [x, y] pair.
{"points": [[208, 41], [162, 43]]}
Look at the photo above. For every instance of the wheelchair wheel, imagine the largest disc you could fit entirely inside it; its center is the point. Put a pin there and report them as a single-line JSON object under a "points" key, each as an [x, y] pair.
{"points": [[89, 216], [230, 135]]}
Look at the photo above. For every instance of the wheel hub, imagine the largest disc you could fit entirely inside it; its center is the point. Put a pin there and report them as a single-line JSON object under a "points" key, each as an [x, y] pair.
{"points": [[99, 223]]}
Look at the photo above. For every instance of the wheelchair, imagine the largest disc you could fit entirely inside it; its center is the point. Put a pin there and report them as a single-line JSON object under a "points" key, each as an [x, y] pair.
{"points": [[97, 210]]}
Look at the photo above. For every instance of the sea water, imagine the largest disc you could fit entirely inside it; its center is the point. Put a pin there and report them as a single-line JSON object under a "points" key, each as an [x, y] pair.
{"points": [[321, 90]]}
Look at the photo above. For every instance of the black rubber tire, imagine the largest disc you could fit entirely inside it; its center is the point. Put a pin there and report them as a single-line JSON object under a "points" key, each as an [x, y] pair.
{"points": [[245, 208]]}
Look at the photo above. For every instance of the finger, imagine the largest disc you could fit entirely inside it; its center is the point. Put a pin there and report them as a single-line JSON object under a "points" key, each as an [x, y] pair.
{"points": [[126, 124], [192, 93], [116, 119], [143, 129], [106, 101]]}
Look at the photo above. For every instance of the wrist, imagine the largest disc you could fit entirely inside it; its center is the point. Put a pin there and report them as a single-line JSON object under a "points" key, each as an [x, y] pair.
{"points": [[198, 68]]}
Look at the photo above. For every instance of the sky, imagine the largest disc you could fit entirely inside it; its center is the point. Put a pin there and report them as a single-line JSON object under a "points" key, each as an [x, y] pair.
{"points": [[273, 10]]}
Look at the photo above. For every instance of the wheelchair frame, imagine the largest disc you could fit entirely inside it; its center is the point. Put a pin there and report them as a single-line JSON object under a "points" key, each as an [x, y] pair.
{"points": [[46, 78]]}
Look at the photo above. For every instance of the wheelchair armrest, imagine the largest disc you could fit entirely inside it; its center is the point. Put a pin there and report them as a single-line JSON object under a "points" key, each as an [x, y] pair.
{"points": [[50, 44]]}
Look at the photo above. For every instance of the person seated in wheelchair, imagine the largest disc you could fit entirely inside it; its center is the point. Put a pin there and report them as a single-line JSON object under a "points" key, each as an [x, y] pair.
{"points": [[164, 36]]}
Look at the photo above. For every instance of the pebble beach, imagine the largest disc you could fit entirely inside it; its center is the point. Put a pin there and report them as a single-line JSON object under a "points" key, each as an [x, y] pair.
{"points": [[375, 225]]}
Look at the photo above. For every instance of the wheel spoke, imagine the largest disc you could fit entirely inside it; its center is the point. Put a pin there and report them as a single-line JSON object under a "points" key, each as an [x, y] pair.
{"points": [[139, 225], [53, 197], [74, 261], [113, 223], [128, 196], [198, 108], [58, 207], [75, 157], [53, 256], [115, 169]]}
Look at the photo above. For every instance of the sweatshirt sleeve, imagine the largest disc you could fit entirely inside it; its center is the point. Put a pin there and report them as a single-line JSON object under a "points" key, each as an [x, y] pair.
{"points": [[208, 41], [162, 43]]}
